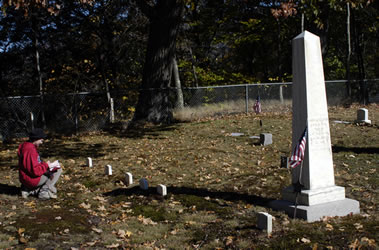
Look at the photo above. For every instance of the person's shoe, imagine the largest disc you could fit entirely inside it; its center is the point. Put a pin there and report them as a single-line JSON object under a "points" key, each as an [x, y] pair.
{"points": [[44, 195], [25, 192], [52, 195]]}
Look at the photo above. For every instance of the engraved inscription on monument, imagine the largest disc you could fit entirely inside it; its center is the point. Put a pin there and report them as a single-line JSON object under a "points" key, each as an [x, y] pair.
{"points": [[319, 135]]}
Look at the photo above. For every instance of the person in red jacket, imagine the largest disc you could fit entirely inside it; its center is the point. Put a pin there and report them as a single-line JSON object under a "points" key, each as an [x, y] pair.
{"points": [[36, 177]]}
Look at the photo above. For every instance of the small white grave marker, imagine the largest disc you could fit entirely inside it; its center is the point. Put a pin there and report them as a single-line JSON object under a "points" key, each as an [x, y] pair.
{"points": [[362, 116], [128, 178], [265, 222], [162, 190], [143, 184], [89, 162], [108, 170]]}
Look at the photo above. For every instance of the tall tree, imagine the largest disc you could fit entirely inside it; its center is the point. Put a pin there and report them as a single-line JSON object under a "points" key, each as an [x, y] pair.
{"points": [[153, 103]]}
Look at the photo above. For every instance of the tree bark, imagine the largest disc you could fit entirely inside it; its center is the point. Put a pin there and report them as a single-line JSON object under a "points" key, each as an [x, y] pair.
{"points": [[153, 103], [178, 87]]}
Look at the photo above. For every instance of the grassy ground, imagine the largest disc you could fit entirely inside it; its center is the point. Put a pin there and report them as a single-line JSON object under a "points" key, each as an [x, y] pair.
{"points": [[217, 183]]}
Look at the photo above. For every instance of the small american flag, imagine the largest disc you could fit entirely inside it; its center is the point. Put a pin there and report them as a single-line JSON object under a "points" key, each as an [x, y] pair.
{"points": [[298, 153], [257, 105]]}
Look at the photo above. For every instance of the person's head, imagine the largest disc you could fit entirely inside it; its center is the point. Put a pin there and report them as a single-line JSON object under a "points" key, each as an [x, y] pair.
{"points": [[37, 136]]}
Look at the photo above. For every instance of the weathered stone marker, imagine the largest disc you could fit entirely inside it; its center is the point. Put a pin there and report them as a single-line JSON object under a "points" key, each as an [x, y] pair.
{"points": [[265, 139], [143, 184], [128, 178], [265, 222], [89, 162], [162, 190], [108, 170], [319, 196], [362, 116]]}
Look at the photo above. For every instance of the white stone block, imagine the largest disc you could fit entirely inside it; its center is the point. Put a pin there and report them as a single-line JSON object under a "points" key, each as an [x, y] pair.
{"points": [[143, 184], [89, 162], [128, 178], [265, 139], [108, 170], [265, 222], [162, 190]]}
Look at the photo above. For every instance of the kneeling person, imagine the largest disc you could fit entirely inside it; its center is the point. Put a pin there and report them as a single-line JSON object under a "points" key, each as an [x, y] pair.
{"points": [[37, 177]]}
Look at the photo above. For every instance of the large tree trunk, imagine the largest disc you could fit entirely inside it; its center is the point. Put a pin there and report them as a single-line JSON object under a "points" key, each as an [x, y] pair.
{"points": [[178, 86], [153, 103]]}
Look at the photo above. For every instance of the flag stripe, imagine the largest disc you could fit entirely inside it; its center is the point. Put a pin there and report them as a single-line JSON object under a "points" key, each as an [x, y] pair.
{"points": [[298, 153]]}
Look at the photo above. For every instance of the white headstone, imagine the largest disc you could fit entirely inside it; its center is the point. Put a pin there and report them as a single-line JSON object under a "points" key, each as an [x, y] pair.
{"points": [[310, 110], [162, 190], [108, 170], [89, 162], [362, 116], [265, 222], [128, 178], [265, 139], [143, 184]]}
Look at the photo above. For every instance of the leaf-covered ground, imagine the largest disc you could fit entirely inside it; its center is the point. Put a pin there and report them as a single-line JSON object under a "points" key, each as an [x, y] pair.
{"points": [[216, 183]]}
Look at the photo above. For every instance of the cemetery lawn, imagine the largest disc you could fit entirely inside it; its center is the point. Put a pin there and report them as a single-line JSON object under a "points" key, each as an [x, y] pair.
{"points": [[216, 184]]}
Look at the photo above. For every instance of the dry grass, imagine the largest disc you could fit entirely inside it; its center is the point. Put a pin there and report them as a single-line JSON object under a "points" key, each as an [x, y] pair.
{"points": [[217, 183]]}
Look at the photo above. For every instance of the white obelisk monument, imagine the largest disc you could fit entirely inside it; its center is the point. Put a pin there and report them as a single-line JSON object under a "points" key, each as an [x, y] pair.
{"points": [[319, 196]]}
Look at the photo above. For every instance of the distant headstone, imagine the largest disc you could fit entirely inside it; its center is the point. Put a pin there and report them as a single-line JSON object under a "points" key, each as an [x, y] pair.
{"points": [[319, 195], [162, 190], [128, 178], [89, 162], [362, 116], [283, 161], [143, 184], [265, 139], [265, 222], [108, 170]]}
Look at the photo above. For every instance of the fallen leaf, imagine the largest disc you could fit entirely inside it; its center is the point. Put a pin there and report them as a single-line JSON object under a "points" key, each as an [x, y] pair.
{"points": [[97, 230], [21, 230], [85, 206], [329, 227], [305, 240], [114, 245]]}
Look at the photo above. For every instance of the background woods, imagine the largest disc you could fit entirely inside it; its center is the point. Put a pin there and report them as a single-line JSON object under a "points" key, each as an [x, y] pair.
{"points": [[113, 45]]}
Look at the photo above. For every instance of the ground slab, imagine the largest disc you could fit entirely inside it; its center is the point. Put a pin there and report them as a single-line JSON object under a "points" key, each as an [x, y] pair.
{"points": [[317, 212]]}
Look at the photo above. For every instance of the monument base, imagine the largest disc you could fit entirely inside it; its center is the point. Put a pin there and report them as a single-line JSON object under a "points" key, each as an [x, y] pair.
{"points": [[314, 196], [317, 212]]}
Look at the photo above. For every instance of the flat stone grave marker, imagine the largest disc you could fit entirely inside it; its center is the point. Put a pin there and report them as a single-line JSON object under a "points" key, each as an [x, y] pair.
{"points": [[128, 178], [108, 170], [143, 184], [162, 190], [237, 134]]}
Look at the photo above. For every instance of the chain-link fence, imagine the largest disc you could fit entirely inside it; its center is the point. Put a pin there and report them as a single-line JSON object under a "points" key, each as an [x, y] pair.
{"points": [[83, 112]]}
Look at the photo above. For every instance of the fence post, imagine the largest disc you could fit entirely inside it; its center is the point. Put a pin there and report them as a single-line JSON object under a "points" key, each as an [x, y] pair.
{"points": [[32, 119], [281, 94], [76, 115], [111, 118], [247, 98]]}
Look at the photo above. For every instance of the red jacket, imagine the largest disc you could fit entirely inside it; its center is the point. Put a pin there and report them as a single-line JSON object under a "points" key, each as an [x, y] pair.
{"points": [[31, 168]]}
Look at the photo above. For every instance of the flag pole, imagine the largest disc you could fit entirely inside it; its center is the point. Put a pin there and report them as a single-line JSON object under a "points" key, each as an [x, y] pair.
{"points": [[297, 188]]}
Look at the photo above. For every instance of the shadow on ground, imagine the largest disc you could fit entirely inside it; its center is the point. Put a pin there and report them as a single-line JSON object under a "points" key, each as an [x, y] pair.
{"points": [[140, 130], [9, 190], [200, 192], [371, 150]]}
